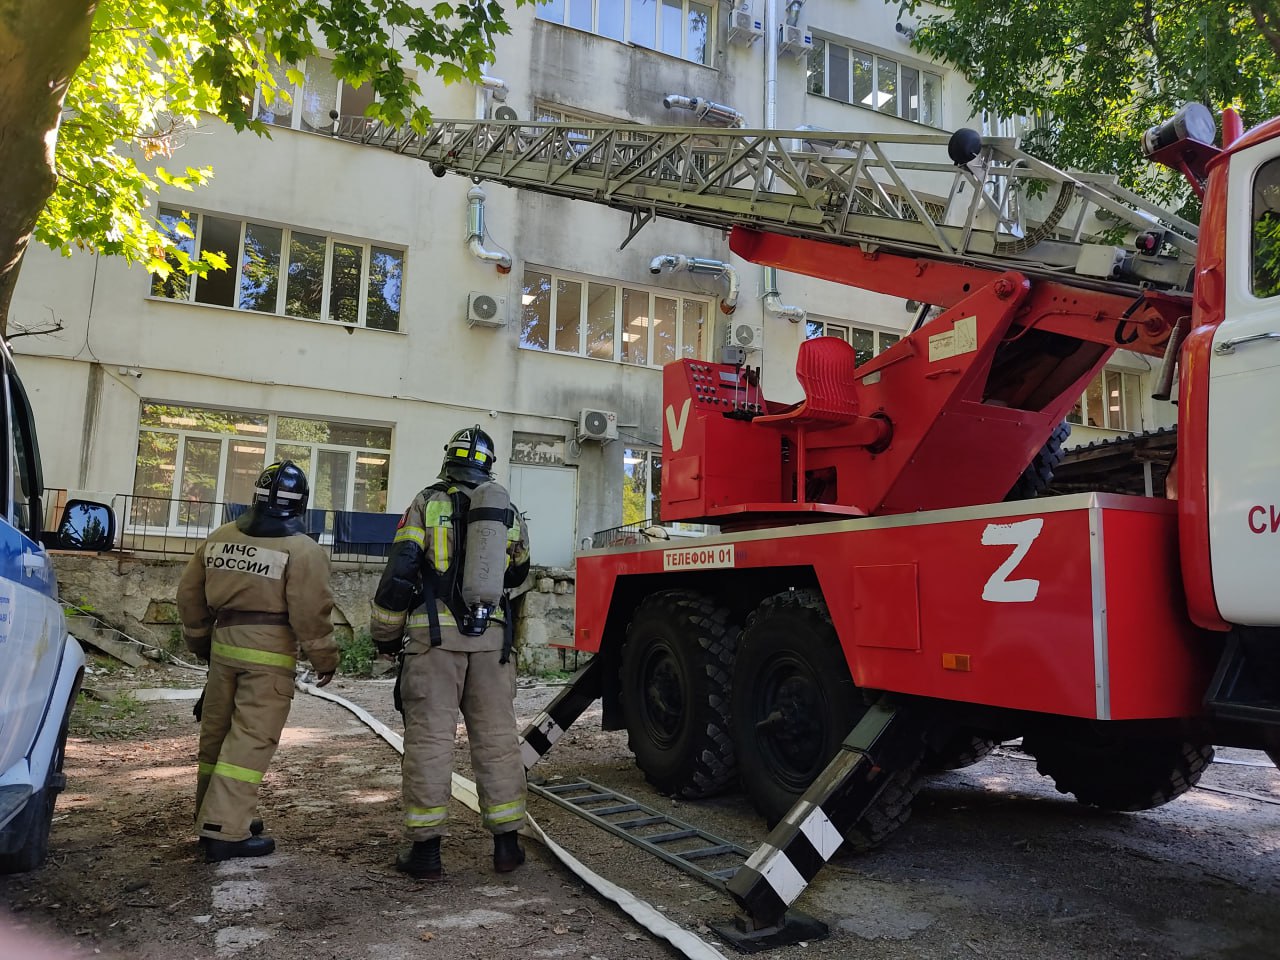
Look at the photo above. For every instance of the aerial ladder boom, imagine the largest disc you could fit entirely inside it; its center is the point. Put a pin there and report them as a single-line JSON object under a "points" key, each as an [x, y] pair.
{"points": [[1039, 275], [959, 198]]}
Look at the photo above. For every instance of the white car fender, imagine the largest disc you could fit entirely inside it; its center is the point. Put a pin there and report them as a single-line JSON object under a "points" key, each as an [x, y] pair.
{"points": [[61, 703]]}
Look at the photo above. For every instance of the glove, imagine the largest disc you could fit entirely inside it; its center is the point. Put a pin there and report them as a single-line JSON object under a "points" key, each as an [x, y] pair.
{"points": [[388, 648], [198, 710]]}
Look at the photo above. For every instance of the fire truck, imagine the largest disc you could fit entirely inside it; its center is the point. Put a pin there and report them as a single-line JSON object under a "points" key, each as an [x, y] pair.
{"points": [[885, 595]]}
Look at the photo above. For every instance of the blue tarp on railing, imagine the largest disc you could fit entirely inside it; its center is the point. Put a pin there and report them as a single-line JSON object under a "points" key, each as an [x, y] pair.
{"points": [[369, 534]]}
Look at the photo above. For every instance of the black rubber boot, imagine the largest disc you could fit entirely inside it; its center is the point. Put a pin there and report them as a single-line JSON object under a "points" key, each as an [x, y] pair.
{"points": [[255, 828], [216, 851], [507, 852], [422, 860]]}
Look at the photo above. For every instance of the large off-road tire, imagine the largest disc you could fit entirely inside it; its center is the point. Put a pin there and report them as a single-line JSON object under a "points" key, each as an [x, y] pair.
{"points": [[962, 748], [793, 704], [33, 824], [1119, 774], [1038, 475], [677, 665]]}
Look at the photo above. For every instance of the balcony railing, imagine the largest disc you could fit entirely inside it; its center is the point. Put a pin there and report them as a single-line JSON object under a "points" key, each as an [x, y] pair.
{"points": [[170, 527]]}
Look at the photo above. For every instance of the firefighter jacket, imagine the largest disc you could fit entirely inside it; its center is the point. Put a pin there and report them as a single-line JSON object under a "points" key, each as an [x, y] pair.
{"points": [[423, 563], [255, 600]]}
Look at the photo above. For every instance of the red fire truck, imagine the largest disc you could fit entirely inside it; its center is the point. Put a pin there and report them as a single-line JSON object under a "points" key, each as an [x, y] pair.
{"points": [[871, 572]]}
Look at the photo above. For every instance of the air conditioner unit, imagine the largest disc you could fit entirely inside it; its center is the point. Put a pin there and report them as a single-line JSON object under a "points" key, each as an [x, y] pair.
{"points": [[749, 336], [597, 425], [484, 310], [744, 29], [796, 41], [505, 113]]}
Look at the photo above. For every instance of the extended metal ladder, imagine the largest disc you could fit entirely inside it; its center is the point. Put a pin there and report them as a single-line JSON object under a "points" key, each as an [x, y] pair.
{"points": [[711, 859], [899, 192], [764, 883]]}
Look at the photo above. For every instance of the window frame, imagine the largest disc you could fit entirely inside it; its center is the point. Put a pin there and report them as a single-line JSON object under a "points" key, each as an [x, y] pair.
{"points": [[23, 479], [1264, 231], [367, 248], [297, 91], [852, 53], [879, 334], [566, 7], [1132, 421], [620, 287], [270, 440]]}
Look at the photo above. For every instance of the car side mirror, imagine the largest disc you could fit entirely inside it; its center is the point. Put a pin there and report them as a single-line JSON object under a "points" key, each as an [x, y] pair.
{"points": [[86, 525]]}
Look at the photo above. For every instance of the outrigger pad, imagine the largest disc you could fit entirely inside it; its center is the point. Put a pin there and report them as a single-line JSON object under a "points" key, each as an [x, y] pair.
{"points": [[794, 928]]}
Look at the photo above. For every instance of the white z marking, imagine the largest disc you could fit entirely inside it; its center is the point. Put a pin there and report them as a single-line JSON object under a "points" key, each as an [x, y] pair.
{"points": [[676, 430], [1000, 589]]}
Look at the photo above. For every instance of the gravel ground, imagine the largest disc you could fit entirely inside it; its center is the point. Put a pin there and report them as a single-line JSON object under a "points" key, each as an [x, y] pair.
{"points": [[994, 863]]}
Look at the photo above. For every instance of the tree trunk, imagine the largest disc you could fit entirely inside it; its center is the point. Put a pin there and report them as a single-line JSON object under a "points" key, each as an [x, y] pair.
{"points": [[42, 42], [1267, 16]]}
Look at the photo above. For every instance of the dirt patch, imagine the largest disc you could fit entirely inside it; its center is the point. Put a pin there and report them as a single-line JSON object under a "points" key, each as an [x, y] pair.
{"points": [[994, 863], [124, 878]]}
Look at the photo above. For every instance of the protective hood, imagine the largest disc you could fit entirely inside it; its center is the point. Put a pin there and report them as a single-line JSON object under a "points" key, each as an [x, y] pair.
{"points": [[467, 476], [256, 523]]}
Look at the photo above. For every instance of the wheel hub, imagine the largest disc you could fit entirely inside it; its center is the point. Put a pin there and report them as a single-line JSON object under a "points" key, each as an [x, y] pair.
{"points": [[663, 697], [792, 731]]}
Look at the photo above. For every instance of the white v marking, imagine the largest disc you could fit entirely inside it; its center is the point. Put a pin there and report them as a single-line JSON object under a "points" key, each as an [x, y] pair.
{"points": [[676, 430]]}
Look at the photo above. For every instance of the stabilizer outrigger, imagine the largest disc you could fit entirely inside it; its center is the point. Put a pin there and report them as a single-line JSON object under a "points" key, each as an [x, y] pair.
{"points": [[774, 876]]}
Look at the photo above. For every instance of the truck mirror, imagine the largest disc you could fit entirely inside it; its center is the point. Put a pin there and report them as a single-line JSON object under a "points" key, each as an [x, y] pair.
{"points": [[86, 525]]}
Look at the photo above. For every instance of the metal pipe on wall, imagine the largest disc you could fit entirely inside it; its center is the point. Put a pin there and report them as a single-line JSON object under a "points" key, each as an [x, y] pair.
{"points": [[475, 233], [772, 300], [702, 265]]}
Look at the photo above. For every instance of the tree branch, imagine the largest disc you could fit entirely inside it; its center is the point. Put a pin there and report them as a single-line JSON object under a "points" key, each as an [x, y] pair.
{"points": [[1267, 17]]}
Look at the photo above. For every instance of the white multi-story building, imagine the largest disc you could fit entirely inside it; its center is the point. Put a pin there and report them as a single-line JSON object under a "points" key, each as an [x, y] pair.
{"points": [[347, 336]]}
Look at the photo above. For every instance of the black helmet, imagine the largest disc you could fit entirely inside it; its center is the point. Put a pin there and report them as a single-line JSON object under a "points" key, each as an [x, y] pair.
{"points": [[281, 490], [468, 456]]}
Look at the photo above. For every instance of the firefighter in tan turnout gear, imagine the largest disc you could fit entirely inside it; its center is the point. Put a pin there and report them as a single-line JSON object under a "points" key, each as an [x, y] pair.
{"points": [[459, 545], [253, 593]]}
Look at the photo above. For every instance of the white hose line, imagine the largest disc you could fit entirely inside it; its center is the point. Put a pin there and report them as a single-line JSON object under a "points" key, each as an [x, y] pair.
{"points": [[464, 791]]}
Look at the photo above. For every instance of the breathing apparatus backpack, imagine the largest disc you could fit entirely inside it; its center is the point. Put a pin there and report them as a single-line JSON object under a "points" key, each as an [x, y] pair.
{"points": [[472, 586]]}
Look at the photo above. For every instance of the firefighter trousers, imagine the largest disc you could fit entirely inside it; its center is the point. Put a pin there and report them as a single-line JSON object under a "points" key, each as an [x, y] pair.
{"points": [[244, 711], [435, 683]]}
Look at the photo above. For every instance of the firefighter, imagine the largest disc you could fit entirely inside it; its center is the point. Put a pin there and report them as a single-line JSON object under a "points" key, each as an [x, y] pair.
{"points": [[459, 545], [253, 593]]}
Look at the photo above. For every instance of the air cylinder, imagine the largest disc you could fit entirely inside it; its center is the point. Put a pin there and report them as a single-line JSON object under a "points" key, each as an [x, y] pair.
{"points": [[485, 558]]}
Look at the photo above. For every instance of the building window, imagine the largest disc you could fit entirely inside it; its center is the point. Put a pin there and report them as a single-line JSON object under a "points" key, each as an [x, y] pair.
{"points": [[681, 28], [642, 492], [308, 94], [641, 486], [869, 80], [866, 342], [283, 270], [581, 316], [1112, 401], [191, 459]]}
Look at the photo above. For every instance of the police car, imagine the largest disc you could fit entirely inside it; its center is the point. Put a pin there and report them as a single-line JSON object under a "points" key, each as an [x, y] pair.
{"points": [[40, 665]]}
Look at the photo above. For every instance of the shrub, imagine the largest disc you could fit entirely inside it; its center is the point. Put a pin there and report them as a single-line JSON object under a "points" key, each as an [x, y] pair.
{"points": [[356, 654]]}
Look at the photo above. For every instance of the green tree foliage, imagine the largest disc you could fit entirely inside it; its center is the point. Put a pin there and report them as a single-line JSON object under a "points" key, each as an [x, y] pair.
{"points": [[97, 91], [1095, 74]]}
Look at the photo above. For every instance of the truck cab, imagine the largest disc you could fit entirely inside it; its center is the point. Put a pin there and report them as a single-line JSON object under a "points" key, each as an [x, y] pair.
{"points": [[41, 666]]}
